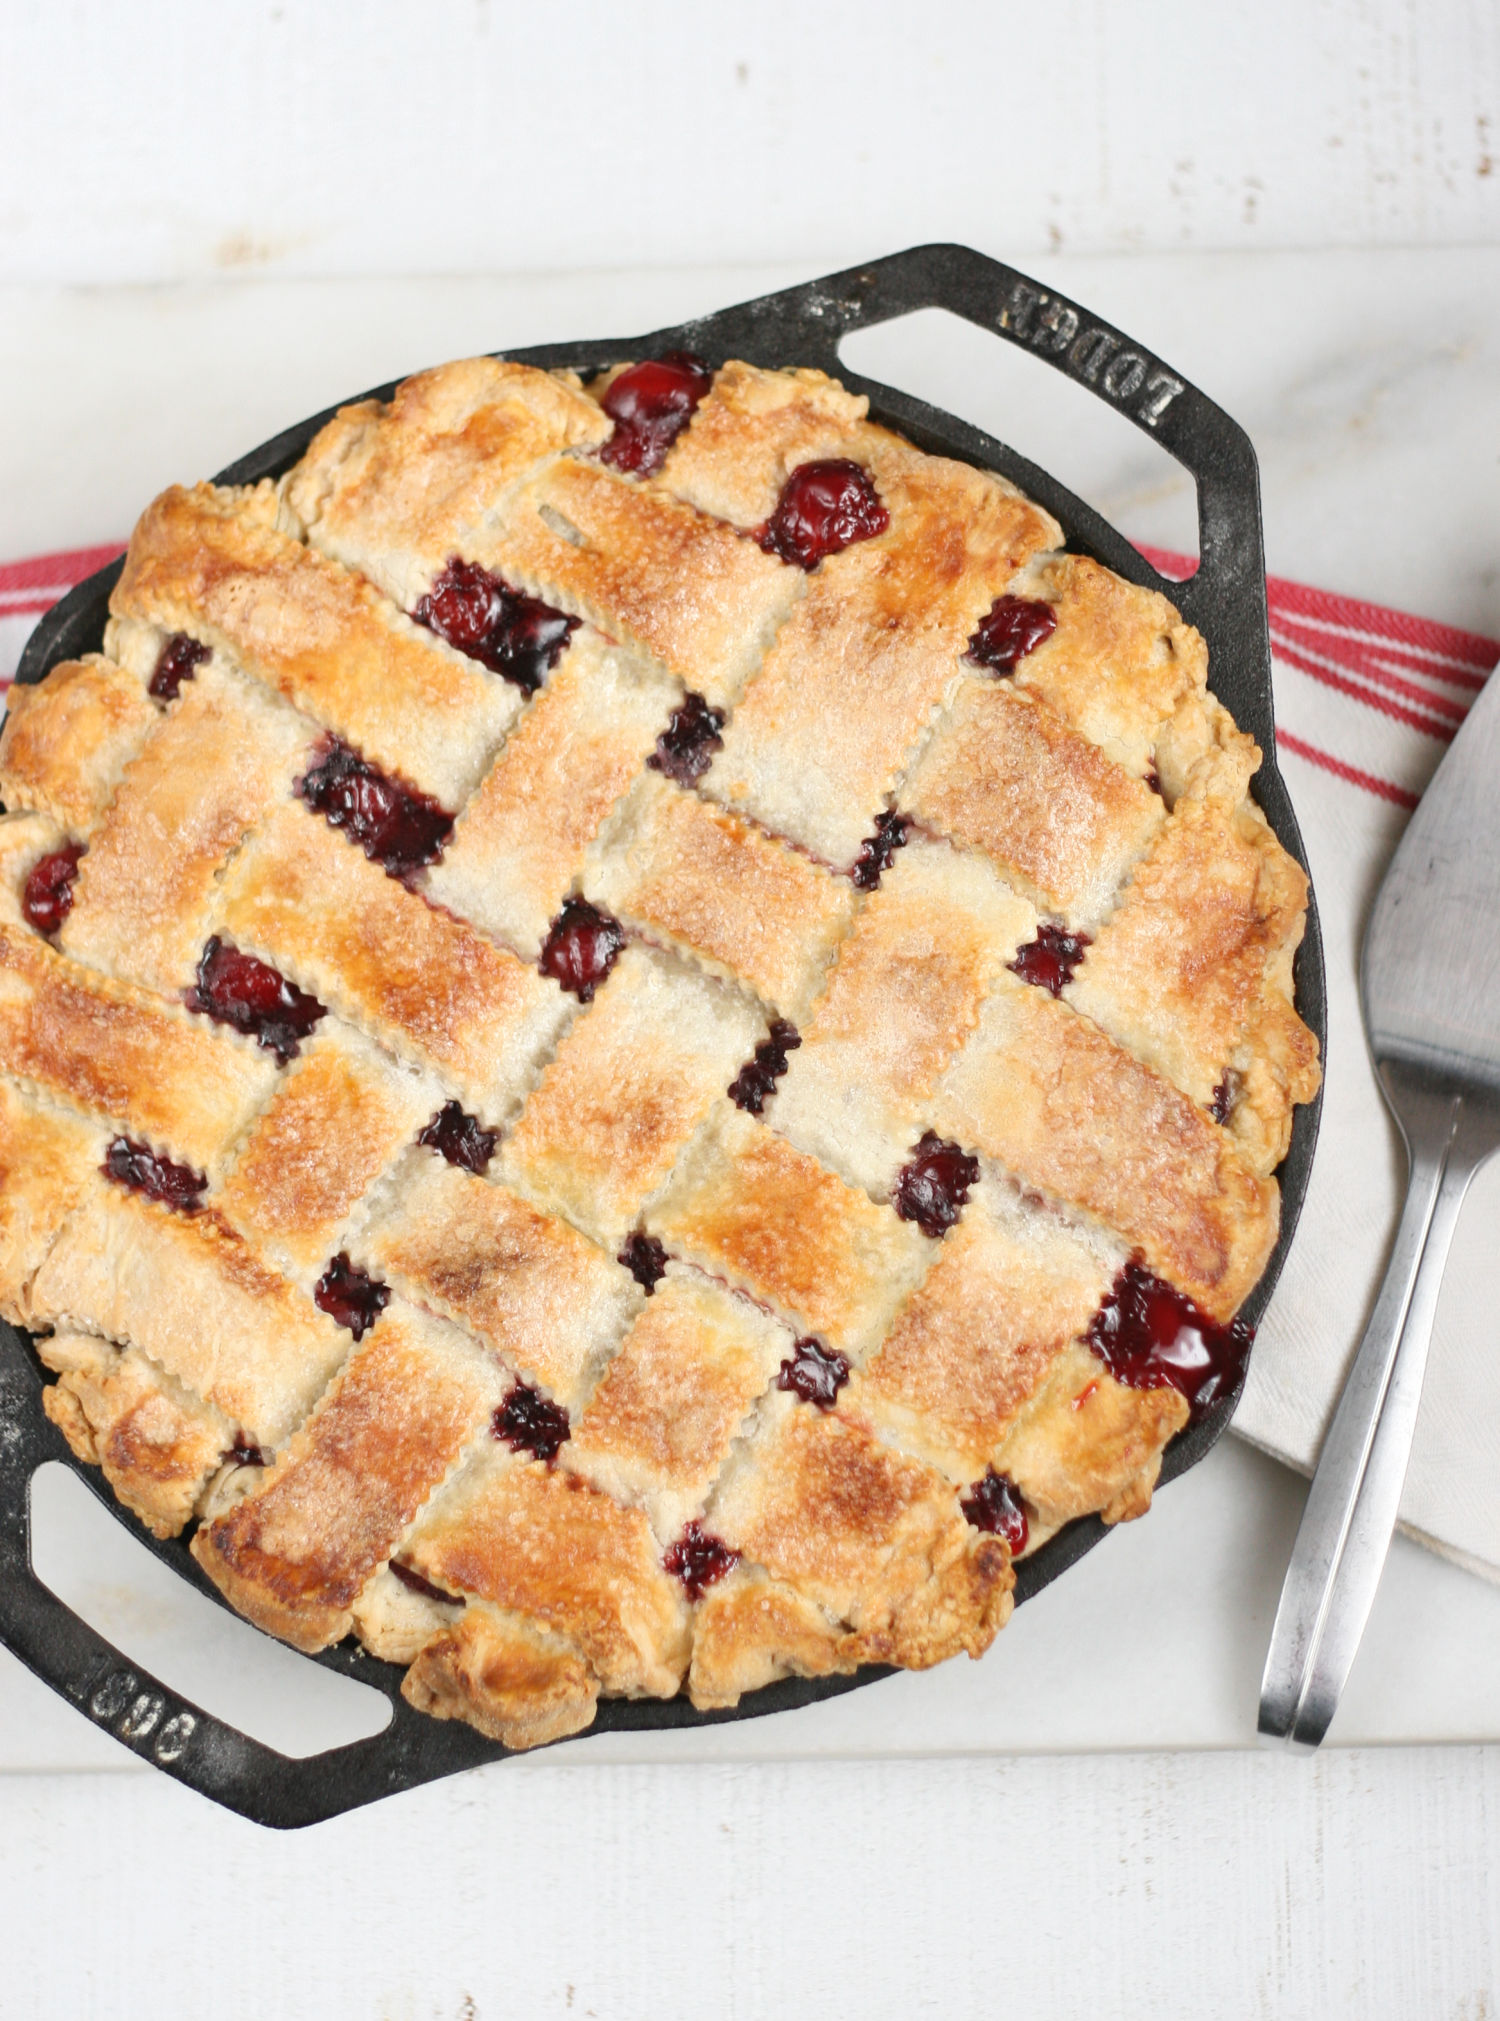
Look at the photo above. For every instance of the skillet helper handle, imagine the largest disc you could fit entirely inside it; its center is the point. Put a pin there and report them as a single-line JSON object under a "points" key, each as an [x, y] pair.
{"points": [[1351, 1511]]}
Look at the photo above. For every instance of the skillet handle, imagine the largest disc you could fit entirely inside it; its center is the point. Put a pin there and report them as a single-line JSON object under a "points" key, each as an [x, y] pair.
{"points": [[144, 1714]]}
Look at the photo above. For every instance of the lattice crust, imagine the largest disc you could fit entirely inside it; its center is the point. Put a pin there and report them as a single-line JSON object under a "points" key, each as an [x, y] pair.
{"points": [[872, 1537], [660, 1424], [1194, 971], [903, 996], [295, 1553], [552, 1549], [221, 759], [47, 1162], [339, 1115], [746, 1205], [714, 886], [212, 563], [631, 1081], [67, 741], [1010, 1287], [387, 1485], [394, 491], [156, 1445], [1003, 775], [544, 1300], [520, 844], [1060, 1105], [648, 570], [418, 979], [186, 1291]]}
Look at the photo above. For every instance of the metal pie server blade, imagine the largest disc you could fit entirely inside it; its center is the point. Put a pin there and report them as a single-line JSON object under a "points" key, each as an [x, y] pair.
{"points": [[1430, 990]]}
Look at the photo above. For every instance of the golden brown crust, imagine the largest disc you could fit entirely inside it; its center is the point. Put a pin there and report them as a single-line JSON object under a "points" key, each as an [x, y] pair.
{"points": [[47, 1162], [1194, 971], [751, 1630], [155, 1446], [746, 1205], [1003, 775], [546, 1301], [1060, 1105], [222, 757], [67, 740], [185, 1290], [293, 1555], [647, 570], [515, 1684], [752, 430], [552, 1549], [210, 562], [631, 1081], [418, 979], [716, 887]]}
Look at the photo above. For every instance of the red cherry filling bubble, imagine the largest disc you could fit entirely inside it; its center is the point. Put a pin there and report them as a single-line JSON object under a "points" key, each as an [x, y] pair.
{"points": [[1014, 627], [48, 897], [417, 1584], [395, 825], [582, 946], [507, 631], [876, 853], [645, 1259], [1149, 1336], [814, 1372], [934, 1184], [1226, 1094], [462, 1138], [244, 1454], [178, 660], [1050, 959], [529, 1422], [699, 1559], [133, 1164], [685, 749], [256, 999], [758, 1077], [823, 508], [351, 1295], [995, 1504], [650, 405]]}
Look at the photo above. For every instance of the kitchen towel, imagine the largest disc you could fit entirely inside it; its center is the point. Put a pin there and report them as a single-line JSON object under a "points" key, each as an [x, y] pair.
{"points": [[1367, 701]]}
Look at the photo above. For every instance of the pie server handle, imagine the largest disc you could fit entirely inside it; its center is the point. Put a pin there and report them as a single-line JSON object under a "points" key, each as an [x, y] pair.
{"points": [[1355, 1496]]}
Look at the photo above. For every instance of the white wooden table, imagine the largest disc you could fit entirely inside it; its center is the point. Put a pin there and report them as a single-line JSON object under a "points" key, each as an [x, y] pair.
{"points": [[1078, 1825]]}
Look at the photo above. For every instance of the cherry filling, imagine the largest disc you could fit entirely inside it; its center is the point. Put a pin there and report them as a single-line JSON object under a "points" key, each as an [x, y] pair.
{"points": [[48, 897], [1150, 1336], [995, 1504], [143, 1170], [650, 405], [1014, 627], [462, 1138], [417, 1584], [256, 999], [685, 749], [1225, 1096], [395, 825], [582, 946], [1050, 959], [892, 831], [758, 1077], [823, 508], [699, 1559], [814, 1372], [645, 1259], [529, 1422], [934, 1184], [351, 1295], [177, 662], [504, 629], [246, 1455]]}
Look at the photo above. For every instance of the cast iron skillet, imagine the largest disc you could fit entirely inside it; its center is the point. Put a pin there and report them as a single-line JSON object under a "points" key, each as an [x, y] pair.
{"points": [[1226, 600]]}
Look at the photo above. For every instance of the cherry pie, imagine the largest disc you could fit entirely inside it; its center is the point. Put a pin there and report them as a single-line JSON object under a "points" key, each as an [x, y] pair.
{"points": [[641, 1035]]}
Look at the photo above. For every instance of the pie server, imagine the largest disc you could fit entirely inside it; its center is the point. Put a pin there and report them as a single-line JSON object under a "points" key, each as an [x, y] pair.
{"points": [[1226, 600], [1430, 991]]}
